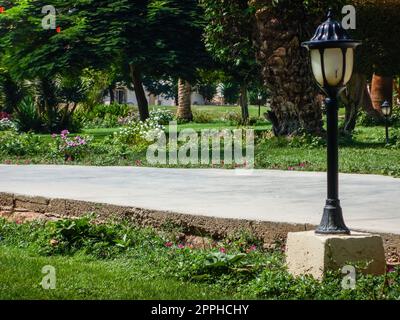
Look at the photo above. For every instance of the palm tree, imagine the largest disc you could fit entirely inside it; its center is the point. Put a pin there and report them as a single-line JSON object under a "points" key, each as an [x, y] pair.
{"points": [[184, 100]]}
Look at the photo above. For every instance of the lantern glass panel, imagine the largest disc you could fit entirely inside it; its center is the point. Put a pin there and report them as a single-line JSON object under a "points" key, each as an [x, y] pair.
{"points": [[349, 65], [333, 64], [317, 66], [385, 110]]}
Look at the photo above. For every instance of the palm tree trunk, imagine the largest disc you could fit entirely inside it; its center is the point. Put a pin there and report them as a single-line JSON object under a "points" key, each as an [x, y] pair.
{"points": [[184, 111], [295, 103], [143, 105], [381, 90]]}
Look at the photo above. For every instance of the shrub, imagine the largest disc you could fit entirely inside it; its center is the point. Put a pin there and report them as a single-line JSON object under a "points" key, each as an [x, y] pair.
{"points": [[7, 125], [27, 117], [4, 115], [202, 117], [15, 144], [161, 116], [115, 109], [233, 118], [138, 134], [70, 148]]}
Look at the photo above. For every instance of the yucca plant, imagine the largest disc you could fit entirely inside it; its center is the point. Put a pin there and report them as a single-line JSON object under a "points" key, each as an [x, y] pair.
{"points": [[27, 116]]}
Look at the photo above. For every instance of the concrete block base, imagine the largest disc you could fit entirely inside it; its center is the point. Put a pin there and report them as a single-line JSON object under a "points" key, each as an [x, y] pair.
{"points": [[314, 254]]}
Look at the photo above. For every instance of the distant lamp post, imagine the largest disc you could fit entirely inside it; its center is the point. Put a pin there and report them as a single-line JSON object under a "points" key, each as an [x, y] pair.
{"points": [[259, 97], [386, 110], [332, 59]]}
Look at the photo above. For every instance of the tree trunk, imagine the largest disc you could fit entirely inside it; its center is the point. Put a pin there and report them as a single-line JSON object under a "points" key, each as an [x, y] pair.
{"points": [[397, 90], [244, 103], [381, 90], [184, 111], [295, 105], [143, 105], [367, 105], [112, 94], [353, 98]]}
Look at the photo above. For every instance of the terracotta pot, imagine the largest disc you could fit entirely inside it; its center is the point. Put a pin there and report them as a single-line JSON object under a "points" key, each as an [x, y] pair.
{"points": [[381, 90]]}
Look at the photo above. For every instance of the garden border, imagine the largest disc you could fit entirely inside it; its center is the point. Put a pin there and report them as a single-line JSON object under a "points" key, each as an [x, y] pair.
{"points": [[47, 208]]}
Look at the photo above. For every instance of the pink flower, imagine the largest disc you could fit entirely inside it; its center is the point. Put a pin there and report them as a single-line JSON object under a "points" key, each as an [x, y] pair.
{"points": [[4, 115], [65, 132], [390, 268], [168, 244], [181, 246], [252, 248], [54, 135], [222, 250]]}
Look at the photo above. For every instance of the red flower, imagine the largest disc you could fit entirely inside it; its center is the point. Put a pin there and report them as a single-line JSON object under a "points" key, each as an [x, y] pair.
{"points": [[168, 244], [222, 250]]}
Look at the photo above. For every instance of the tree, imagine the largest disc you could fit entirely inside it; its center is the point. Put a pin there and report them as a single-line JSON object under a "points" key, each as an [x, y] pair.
{"points": [[184, 101], [379, 56], [228, 37], [280, 27], [180, 24]]}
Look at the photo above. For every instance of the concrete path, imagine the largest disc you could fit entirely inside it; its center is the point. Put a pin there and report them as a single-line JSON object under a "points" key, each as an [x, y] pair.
{"points": [[369, 202]]}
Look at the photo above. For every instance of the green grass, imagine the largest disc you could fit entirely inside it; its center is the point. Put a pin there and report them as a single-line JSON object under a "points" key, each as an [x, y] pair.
{"points": [[82, 277], [120, 261], [364, 152]]}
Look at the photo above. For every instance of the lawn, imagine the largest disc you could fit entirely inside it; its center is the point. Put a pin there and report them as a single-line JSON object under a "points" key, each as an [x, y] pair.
{"points": [[122, 261], [363, 152], [82, 277]]}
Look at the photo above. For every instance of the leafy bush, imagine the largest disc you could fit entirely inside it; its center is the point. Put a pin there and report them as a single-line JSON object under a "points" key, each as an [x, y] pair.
{"points": [[27, 116], [115, 109], [233, 118], [5, 115], [202, 117], [307, 140], [15, 144], [161, 116], [7, 125], [70, 148], [138, 133]]}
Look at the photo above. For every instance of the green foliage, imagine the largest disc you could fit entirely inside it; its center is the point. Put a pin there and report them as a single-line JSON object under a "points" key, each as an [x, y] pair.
{"points": [[70, 148], [202, 117], [15, 144], [146, 254], [161, 116], [7, 125], [230, 91], [27, 116], [379, 53]]}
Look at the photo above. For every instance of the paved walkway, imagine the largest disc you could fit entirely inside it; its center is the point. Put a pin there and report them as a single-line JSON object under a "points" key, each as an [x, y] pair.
{"points": [[369, 202]]}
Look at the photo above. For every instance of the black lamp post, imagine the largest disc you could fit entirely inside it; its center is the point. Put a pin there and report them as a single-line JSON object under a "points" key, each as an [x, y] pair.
{"points": [[386, 110], [332, 58]]}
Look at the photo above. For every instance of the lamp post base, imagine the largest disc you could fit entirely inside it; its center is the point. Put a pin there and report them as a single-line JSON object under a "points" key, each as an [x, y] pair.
{"points": [[332, 219]]}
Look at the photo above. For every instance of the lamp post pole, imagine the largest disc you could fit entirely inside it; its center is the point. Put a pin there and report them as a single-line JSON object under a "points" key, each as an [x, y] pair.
{"points": [[387, 129], [332, 59], [332, 219], [386, 110]]}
